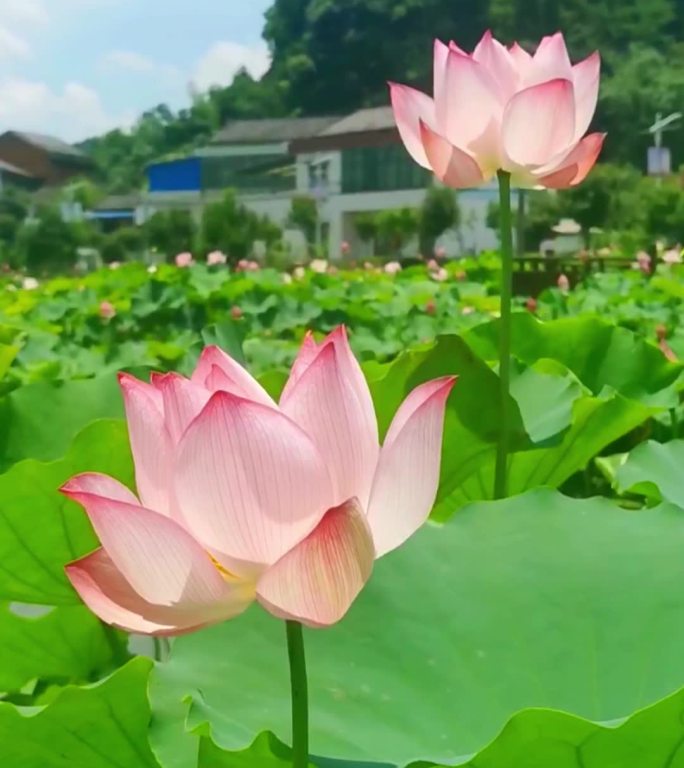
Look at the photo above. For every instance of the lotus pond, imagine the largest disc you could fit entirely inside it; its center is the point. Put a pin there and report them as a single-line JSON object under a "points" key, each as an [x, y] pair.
{"points": [[545, 629]]}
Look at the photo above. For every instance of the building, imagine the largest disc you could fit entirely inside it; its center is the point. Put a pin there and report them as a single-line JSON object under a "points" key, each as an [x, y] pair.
{"points": [[45, 159], [351, 165]]}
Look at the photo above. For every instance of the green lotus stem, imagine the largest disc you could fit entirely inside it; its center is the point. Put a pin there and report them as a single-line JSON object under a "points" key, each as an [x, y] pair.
{"points": [[506, 231], [300, 695]]}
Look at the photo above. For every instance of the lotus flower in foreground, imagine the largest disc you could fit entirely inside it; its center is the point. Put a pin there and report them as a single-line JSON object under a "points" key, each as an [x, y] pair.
{"points": [[240, 498], [503, 109]]}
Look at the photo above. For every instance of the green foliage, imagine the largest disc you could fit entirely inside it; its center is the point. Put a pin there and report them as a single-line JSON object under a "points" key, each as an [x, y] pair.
{"points": [[438, 213], [171, 232], [304, 215], [232, 228], [125, 242], [47, 244]]}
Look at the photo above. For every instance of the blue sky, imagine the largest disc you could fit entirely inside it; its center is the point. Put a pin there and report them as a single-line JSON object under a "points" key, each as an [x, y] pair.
{"points": [[75, 68]]}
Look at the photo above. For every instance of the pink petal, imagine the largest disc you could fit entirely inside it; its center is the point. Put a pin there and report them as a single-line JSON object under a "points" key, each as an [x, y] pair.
{"points": [[498, 62], [249, 482], [235, 380], [160, 560], [317, 581], [539, 122], [407, 476], [306, 355], [331, 402], [410, 107], [100, 485], [150, 441], [550, 62], [576, 165], [586, 77], [110, 597], [521, 59], [470, 102], [451, 165], [441, 54], [183, 400]]}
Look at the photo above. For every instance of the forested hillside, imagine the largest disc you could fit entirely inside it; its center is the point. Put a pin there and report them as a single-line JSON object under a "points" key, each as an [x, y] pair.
{"points": [[333, 56]]}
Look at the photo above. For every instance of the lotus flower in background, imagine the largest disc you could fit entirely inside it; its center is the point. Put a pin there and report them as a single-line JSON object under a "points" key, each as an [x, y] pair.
{"points": [[672, 256], [215, 258], [107, 310], [240, 498], [29, 284], [392, 268], [319, 266], [563, 283], [643, 262], [503, 109], [184, 259]]}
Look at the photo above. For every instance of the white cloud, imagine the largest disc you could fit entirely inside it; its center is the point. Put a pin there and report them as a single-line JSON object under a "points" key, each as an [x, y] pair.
{"points": [[12, 46], [73, 113], [224, 59], [23, 11]]}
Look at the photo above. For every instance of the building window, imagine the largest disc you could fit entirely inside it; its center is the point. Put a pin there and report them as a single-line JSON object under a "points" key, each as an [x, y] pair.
{"points": [[249, 173], [381, 169]]}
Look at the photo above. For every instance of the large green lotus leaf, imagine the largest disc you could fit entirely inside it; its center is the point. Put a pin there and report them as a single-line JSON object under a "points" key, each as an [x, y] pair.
{"points": [[596, 423], [654, 470], [533, 738], [472, 418], [7, 355], [535, 601], [600, 354], [68, 644], [40, 530], [40, 420], [98, 726]]}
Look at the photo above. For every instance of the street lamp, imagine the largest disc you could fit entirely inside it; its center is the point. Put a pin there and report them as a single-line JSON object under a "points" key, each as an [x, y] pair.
{"points": [[659, 162]]}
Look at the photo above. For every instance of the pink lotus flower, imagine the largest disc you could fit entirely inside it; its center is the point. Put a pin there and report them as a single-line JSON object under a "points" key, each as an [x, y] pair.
{"points": [[107, 310], [643, 262], [345, 247], [440, 252], [392, 268], [184, 260], [433, 265], [240, 498], [247, 265], [502, 109], [563, 283], [672, 256], [215, 258], [440, 275], [319, 266], [236, 312]]}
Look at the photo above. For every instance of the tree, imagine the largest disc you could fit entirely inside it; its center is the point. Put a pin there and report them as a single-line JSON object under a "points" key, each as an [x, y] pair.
{"points": [[438, 213], [304, 215], [171, 232], [230, 227]]}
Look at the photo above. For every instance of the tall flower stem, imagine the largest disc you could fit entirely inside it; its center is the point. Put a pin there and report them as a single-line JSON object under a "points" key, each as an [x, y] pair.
{"points": [[300, 695], [506, 231]]}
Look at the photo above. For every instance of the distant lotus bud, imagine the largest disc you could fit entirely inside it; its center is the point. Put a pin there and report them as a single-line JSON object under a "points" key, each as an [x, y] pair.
{"points": [[563, 283], [440, 252], [114, 264], [392, 267], [531, 304], [430, 307], [184, 260], [440, 275], [107, 310], [345, 247], [461, 275], [672, 256], [467, 310], [216, 257], [235, 313], [319, 266], [29, 283]]}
